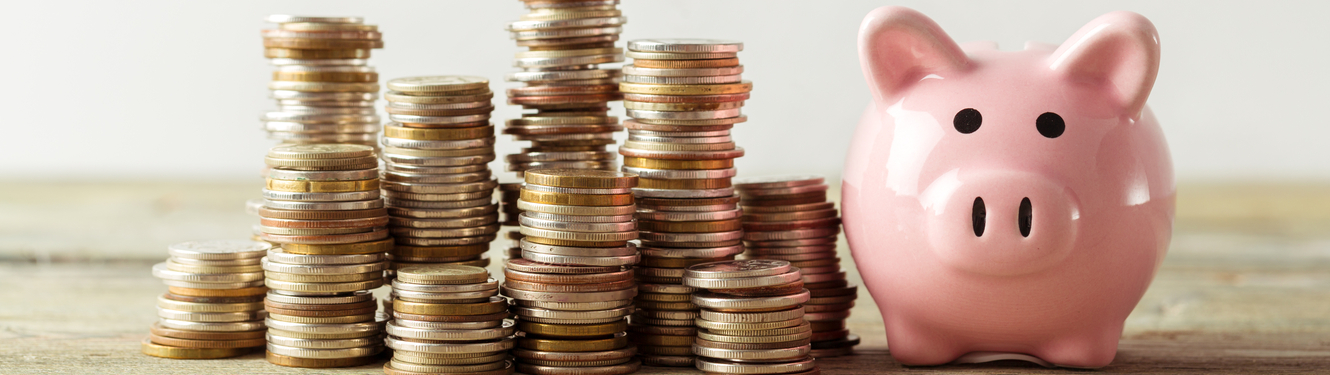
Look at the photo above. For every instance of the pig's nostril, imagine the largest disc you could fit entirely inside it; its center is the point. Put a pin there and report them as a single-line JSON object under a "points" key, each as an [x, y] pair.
{"points": [[978, 216], [1025, 217]]}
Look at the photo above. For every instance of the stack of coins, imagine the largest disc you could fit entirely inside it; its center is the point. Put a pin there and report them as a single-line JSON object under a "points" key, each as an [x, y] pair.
{"points": [[322, 205], [789, 218], [325, 92], [448, 319], [567, 40], [752, 319], [214, 304], [573, 286], [684, 97], [439, 189]]}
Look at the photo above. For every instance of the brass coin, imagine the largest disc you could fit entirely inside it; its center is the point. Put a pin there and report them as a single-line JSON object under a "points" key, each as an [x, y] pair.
{"points": [[195, 292], [568, 330], [439, 134], [690, 226], [287, 53], [193, 299], [707, 183], [752, 346], [577, 199], [638, 162], [554, 345], [657, 89], [158, 330], [326, 278], [830, 307], [686, 64], [662, 330], [766, 291], [440, 251], [206, 344], [526, 354], [323, 313], [585, 179], [525, 265], [282, 360], [544, 278], [661, 297], [164, 351], [668, 360], [322, 186], [443, 274], [308, 76], [377, 246], [450, 318], [573, 288], [620, 369], [675, 306], [494, 305], [678, 262], [321, 215], [575, 243]]}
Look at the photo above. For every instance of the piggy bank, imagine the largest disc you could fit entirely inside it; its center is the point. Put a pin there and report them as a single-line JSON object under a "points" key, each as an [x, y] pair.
{"points": [[1007, 204]]}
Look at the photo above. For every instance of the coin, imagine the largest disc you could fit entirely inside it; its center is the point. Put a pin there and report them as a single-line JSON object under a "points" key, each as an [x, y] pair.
{"points": [[164, 351], [494, 305], [443, 274], [290, 361]]}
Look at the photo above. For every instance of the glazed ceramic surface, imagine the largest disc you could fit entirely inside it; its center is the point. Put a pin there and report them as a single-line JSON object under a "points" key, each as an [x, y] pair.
{"points": [[1007, 204]]}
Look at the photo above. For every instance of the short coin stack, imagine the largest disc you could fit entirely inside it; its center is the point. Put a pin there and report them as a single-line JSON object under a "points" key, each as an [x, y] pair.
{"points": [[437, 180], [684, 96], [214, 306], [789, 218], [448, 319], [322, 205], [752, 319], [567, 40], [325, 92], [573, 286]]}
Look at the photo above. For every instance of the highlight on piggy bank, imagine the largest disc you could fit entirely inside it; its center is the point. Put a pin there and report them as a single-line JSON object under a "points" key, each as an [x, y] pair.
{"points": [[1007, 204]]}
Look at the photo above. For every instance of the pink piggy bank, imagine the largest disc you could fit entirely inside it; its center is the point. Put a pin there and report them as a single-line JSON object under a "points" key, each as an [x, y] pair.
{"points": [[1007, 205]]}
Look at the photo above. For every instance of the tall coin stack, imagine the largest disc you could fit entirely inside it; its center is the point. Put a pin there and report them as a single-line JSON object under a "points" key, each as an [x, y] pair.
{"points": [[573, 286], [322, 205], [439, 189], [789, 218], [214, 304], [448, 319], [752, 319], [684, 97], [567, 40], [325, 92]]}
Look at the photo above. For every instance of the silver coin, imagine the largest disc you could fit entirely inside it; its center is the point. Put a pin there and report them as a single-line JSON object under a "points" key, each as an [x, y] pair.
{"points": [[440, 106], [332, 300], [440, 204], [544, 62], [680, 140], [198, 307], [439, 197], [680, 173], [323, 206], [576, 210], [762, 355], [219, 249], [738, 269], [546, 156], [318, 62], [323, 269], [566, 24], [743, 282], [697, 72], [214, 263], [502, 331], [210, 327], [580, 218], [420, 169], [528, 246], [703, 80], [727, 367], [440, 347], [688, 216], [320, 197], [447, 325], [612, 295], [453, 213], [626, 260], [289, 351], [684, 115], [304, 343], [714, 133], [563, 75], [574, 306], [665, 289], [709, 300], [706, 208], [211, 317], [680, 55], [278, 256], [296, 127], [552, 189], [685, 45], [569, 226], [399, 285], [327, 288], [683, 193], [457, 297], [286, 18], [432, 161], [690, 237], [161, 271], [439, 120], [530, 312]]}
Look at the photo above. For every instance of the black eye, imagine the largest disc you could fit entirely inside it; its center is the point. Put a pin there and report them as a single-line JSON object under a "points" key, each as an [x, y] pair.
{"points": [[967, 120], [1050, 125]]}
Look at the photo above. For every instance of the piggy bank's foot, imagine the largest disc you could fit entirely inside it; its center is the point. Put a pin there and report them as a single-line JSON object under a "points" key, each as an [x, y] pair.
{"points": [[981, 357], [1087, 351]]}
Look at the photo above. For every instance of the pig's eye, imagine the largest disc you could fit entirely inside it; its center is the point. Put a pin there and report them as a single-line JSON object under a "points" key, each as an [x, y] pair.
{"points": [[1049, 124], [967, 120]]}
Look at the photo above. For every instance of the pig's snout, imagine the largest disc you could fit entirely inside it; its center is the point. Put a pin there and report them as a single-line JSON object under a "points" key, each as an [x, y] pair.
{"points": [[999, 222]]}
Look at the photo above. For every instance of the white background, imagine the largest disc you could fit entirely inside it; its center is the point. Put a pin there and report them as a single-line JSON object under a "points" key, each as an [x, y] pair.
{"points": [[97, 90]]}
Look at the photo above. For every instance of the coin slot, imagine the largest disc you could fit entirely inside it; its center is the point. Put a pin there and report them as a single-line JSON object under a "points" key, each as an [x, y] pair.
{"points": [[1025, 217], [978, 216]]}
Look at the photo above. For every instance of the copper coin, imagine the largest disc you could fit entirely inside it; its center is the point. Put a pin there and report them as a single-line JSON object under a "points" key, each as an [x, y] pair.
{"points": [[814, 241], [634, 125], [766, 291], [544, 278], [761, 346], [653, 98], [451, 318], [158, 330], [282, 360], [562, 90], [686, 64], [312, 307], [242, 292], [242, 299], [536, 267], [321, 215], [563, 99], [568, 288], [667, 202], [683, 155], [665, 350], [322, 313], [786, 200], [206, 344], [790, 225], [575, 356]]}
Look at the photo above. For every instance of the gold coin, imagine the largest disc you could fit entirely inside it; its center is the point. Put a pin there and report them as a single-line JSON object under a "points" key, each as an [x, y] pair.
{"points": [[550, 345], [320, 44], [195, 292], [438, 85], [686, 64], [658, 146], [443, 274], [278, 359], [319, 163], [163, 351], [656, 89], [690, 226], [577, 199], [318, 54], [379, 246], [679, 107], [326, 76], [438, 134], [206, 344], [322, 186], [570, 330], [705, 183], [571, 243], [580, 178], [677, 164], [494, 305]]}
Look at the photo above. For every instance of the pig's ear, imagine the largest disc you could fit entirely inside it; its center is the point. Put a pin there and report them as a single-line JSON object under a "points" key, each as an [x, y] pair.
{"points": [[898, 46], [1120, 52]]}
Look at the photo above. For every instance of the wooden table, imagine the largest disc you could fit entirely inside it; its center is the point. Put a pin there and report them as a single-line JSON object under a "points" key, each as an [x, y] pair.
{"points": [[1245, 287]]}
